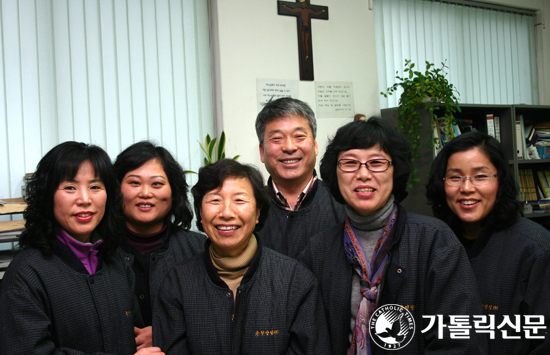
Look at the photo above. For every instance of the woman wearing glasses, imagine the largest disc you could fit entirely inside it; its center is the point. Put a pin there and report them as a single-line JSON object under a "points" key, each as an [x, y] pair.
{"points": [[383, 255], [472, 189]]}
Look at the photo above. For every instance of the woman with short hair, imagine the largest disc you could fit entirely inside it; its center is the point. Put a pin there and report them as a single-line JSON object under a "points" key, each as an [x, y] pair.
{"points": [[68, 292], [158, 217], [383, 255], [237, 297], [473, 190]]}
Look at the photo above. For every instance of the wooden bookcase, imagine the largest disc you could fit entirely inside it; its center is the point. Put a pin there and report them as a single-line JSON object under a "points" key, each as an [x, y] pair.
{"points": [[417, 202], [11, 206]]}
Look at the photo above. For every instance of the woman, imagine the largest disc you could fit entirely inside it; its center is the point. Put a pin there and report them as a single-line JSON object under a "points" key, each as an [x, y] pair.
{"points": [[472, 189], [158, 216], [237, 297], [68, 291], [384, 255]]}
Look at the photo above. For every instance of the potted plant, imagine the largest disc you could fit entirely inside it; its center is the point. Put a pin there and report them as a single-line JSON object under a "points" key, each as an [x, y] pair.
{"points": [[213, 153], [430, 89]]}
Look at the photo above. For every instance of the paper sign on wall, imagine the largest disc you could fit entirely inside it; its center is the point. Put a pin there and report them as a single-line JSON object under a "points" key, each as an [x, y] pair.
{"points": [[334, 99], [268, 89]]}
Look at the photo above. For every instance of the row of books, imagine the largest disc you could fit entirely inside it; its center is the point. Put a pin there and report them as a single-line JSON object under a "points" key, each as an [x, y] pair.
{"points": [[535, 188], [443, 134], [533, 139]]}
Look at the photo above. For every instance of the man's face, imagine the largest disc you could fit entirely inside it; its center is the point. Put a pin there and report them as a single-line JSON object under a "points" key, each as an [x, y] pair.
{"points": [[289, 150]]}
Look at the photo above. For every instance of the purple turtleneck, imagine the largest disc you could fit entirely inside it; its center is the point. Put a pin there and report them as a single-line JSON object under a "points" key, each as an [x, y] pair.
{"points": [[85, 252]]}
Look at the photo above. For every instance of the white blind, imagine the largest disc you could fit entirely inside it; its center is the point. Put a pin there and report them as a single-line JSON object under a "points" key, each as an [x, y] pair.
{"points": [[490, 54], [107, 72]]}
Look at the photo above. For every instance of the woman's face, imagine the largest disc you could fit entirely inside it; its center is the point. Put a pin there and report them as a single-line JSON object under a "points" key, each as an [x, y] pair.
{"points": [[229, 215], [365, 191], [469, 202], [79, 204], [147, 197]]}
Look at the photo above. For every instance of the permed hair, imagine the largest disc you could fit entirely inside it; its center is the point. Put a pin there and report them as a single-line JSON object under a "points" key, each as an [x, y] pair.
{"points": [[62, 163], [283, 107], [212, 177], [364, 135], [507, 208], [180, 214]]}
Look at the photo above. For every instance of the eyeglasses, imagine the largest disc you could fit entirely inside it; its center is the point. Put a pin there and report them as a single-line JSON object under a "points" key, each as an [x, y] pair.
{"points": [[477, 180], [374, 165]]}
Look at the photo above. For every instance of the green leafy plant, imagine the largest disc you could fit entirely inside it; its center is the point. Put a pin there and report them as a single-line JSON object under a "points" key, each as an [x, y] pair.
{"points": [[214, 150], [431, 89]]}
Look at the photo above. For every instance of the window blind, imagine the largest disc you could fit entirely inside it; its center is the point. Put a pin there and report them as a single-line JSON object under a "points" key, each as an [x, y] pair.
{"points": [[490, 53]]}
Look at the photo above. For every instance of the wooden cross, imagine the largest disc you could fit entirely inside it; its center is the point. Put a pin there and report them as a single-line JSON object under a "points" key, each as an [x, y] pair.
{"points": [[304, 12]]}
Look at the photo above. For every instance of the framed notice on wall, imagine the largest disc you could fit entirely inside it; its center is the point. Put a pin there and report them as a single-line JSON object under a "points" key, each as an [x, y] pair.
{"points": [[334, 99], [270, 89]]}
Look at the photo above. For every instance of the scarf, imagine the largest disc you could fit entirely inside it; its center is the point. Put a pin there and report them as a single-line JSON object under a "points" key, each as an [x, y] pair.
{"points": [[371, 275]]}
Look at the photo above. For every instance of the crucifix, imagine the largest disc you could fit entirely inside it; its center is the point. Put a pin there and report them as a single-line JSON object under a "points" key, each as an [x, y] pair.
{"points": [[304, 12]]}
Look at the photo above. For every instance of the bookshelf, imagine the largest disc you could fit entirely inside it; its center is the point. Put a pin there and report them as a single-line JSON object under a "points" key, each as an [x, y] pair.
{"points": [[9, 230], [508, 114]]}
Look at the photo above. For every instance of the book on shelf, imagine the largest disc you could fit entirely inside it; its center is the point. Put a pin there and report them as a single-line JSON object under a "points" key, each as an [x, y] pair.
{"points": [[544, 186], [519, 139], [531, 190], [531, 135], [527, 186], [490, 125], [497, 127]]}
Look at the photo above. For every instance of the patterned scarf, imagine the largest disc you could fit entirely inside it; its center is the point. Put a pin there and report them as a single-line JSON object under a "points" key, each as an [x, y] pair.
{"points": [[371, 275]]}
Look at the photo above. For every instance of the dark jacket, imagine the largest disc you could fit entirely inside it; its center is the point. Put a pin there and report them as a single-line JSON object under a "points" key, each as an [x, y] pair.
{"points": [[52, 305], [512, 268], [178, 246], [288, 231], [427, 272], [277, 309]]}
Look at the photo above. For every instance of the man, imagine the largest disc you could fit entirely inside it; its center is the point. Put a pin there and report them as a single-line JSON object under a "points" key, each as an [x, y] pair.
{"points": [[301, 204]]}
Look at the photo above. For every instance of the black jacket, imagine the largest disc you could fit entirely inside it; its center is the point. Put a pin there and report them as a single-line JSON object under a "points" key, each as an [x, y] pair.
{"points": [[51, 305], [427, 272], [277, 310], [178, 246], [512, 268], [288, 231]]}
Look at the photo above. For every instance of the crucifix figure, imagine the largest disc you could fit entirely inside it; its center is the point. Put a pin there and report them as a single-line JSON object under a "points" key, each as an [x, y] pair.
{"points": [[304, 12]]}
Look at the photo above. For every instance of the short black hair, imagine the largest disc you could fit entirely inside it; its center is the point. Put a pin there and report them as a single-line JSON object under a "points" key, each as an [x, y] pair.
{"points": [[364, 135], [59, 164], [137, 154], [507, 208], [283, 107], [212, 177]]}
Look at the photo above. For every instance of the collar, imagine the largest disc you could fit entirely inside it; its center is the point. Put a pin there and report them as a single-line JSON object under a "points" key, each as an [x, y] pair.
{"points": [[146, 243], [213, 273], [303, 200], [64, 251], [374, 222]]}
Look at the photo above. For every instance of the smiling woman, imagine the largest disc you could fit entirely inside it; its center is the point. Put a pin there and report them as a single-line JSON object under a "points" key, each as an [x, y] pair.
{"points": [[158, 216], [72, 232], [382, 254], [472, 188], [255, 300]]}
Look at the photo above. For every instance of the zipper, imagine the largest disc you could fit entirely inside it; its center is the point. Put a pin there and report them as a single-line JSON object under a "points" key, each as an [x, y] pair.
{"points": [[235, 307]]}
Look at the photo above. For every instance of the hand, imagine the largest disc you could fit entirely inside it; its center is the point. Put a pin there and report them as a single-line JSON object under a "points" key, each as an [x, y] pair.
{"points": [[146, 351], [144, 337]]}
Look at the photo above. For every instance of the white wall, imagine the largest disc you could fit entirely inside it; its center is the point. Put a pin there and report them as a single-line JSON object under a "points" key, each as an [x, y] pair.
{"points": [[256, 42], [252, 41]]}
